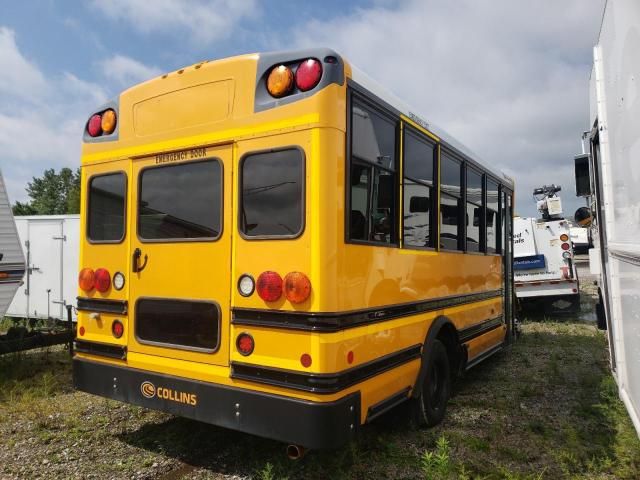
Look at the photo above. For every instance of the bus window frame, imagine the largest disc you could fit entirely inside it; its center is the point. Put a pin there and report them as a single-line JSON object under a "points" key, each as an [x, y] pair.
{"points": [[499, 232], [366, 100], [181, 240], [88, 206], [303, 220], [434, 205]]}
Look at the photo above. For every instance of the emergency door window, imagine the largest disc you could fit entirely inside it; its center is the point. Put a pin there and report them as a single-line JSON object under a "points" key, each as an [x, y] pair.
{"points": [[181, 202], [107, 208], [272, 201]]}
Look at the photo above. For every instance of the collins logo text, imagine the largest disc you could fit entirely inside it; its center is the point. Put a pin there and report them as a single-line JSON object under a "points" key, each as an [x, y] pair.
{"points": [[149, 390]]}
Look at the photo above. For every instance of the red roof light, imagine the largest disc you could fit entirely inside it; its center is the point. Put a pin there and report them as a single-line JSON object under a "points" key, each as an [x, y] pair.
{"points": [[308, 74], [94, 126]]}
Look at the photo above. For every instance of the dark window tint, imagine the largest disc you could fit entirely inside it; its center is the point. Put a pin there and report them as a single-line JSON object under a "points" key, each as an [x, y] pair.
{"points": [[450, 175], [107, 207], [451, 204], [492, 216], [272, 194], [181, 201], [177, 322], [373, 136], [418, 158], [474, 187]]}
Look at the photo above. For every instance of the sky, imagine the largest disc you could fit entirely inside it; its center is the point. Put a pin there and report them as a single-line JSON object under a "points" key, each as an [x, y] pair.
{"points": [[508, 78]]}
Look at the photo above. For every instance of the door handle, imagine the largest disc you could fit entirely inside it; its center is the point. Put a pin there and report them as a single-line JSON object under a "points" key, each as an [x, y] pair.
{"points": [[137, 253]]}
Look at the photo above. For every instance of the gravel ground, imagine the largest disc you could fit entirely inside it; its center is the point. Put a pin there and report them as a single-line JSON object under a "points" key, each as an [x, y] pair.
{"points": [[545, 408]]}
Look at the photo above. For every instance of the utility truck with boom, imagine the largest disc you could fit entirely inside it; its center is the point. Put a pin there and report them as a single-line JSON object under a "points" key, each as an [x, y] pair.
{"points": [[544, 269]]}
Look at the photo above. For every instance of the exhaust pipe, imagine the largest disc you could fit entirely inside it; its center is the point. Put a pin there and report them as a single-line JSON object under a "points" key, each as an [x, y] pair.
{"points": [[295, 452]]}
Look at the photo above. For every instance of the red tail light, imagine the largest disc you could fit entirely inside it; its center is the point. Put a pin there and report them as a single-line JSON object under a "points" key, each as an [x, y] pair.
{"points": [[102, 280], [94, 126], [297, 287], [269, 286], [117, 328], [565, 246], [308, 74], [245, 344], [86, 279]]}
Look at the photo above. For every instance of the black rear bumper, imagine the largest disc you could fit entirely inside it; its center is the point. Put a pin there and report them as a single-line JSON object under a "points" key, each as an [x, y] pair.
{"points": [[310, 424]]}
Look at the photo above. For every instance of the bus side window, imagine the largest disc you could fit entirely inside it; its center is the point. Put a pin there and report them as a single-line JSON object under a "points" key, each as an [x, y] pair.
{"points": [[372, 195], [474, 211], [451, 208], [492, 217], [418, 168]]}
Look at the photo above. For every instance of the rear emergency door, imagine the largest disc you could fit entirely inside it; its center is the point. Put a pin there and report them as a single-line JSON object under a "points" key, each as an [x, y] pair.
{"points": [[180, 255]]}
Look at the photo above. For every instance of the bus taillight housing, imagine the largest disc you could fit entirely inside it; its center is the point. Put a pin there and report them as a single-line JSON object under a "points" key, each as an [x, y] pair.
{"points": [[102, 123]]}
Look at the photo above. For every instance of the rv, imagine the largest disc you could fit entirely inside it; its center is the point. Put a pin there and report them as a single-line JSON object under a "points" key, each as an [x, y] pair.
{"points": [[11, 258], [607, 174]]}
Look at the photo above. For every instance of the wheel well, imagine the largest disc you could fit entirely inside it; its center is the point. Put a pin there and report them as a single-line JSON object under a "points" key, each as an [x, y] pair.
{"points": [[448, 335]]}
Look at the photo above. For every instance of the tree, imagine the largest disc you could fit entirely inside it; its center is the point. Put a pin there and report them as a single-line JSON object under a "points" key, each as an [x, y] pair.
{"points": [[52, 194]]}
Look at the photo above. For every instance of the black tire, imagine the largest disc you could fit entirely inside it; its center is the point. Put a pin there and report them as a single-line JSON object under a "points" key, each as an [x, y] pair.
{"points": [[430, 407]]}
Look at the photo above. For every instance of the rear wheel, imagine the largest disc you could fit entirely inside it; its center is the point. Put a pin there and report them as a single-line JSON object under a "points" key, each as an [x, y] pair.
{"points": [[430, 407]]}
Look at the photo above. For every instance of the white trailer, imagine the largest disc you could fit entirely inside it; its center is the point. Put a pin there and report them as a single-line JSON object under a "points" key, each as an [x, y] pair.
{"points": [[51, 246], [11, 257], [614, 173]]}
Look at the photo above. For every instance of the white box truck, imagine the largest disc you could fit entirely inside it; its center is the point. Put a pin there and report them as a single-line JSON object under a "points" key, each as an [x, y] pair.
{"points": [[608, 174]]}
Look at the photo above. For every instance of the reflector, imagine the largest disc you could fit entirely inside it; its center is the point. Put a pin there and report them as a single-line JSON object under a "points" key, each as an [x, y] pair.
{"points": [[117, 328], [245, 344], [305, 360]]}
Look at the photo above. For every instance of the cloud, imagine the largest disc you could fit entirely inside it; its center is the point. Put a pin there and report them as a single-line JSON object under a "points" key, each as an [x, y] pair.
{"points": [[508, 79], [127, 71], [41, 117], [204, 21], [19, 77]]}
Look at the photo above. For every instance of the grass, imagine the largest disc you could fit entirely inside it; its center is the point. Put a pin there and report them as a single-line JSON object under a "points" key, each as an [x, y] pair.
{"points": [[547, 408]]}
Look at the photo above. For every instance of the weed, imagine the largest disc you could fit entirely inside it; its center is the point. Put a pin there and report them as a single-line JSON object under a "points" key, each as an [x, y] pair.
{"points": [[436, 465]]}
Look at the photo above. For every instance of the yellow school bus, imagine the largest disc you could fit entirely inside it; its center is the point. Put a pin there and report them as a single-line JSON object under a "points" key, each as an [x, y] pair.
{"points": [[273, 244]]}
